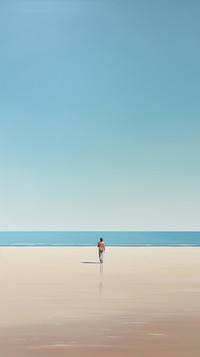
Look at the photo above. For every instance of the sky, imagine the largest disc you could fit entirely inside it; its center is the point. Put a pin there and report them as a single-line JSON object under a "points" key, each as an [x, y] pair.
{"points": [[99, 115]]}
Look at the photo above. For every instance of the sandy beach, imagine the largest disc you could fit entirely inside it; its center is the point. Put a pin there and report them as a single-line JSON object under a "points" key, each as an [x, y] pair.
{"points": [[61, 302]]}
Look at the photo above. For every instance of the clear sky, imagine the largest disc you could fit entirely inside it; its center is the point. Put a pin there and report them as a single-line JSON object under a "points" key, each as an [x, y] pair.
{"points": [[99, 115]]}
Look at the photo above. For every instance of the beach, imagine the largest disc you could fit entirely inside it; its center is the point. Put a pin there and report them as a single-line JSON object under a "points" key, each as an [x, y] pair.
{"points": [[59, 301]]}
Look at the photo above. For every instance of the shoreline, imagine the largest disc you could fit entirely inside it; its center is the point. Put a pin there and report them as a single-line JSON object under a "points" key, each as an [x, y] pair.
{"points": [[25, 245]]}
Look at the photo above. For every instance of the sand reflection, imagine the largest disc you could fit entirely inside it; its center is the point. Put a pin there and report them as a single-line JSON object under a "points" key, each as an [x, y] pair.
{"points": [[101, 280]]}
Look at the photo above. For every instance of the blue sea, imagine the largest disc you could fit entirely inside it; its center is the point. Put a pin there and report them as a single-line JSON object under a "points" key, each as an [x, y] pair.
{"points": [[83, 238]]}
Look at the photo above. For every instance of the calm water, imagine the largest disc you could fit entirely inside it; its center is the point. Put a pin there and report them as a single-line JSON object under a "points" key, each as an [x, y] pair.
{"points": [[91, 238]]}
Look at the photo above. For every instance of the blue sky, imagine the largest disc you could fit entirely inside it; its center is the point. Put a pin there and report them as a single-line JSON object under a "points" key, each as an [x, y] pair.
{"points": [[99, 115]]}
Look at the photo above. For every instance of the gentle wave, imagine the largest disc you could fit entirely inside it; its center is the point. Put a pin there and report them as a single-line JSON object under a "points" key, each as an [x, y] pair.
{"points": [[92, 245]]}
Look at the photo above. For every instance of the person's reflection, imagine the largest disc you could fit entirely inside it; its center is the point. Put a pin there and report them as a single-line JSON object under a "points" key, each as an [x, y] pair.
{"points": [[101, 270], [101, 280]]}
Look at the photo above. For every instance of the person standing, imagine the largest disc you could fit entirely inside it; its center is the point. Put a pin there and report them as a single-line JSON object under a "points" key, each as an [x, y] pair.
{"points": [[101, 247]]}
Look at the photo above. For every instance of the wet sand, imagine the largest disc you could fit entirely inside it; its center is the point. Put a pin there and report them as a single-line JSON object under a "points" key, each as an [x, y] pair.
{"points": [[62, 302]]}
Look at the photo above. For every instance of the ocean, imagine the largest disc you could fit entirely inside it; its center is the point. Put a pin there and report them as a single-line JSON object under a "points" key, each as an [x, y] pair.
{"points": [[90, 238]]}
